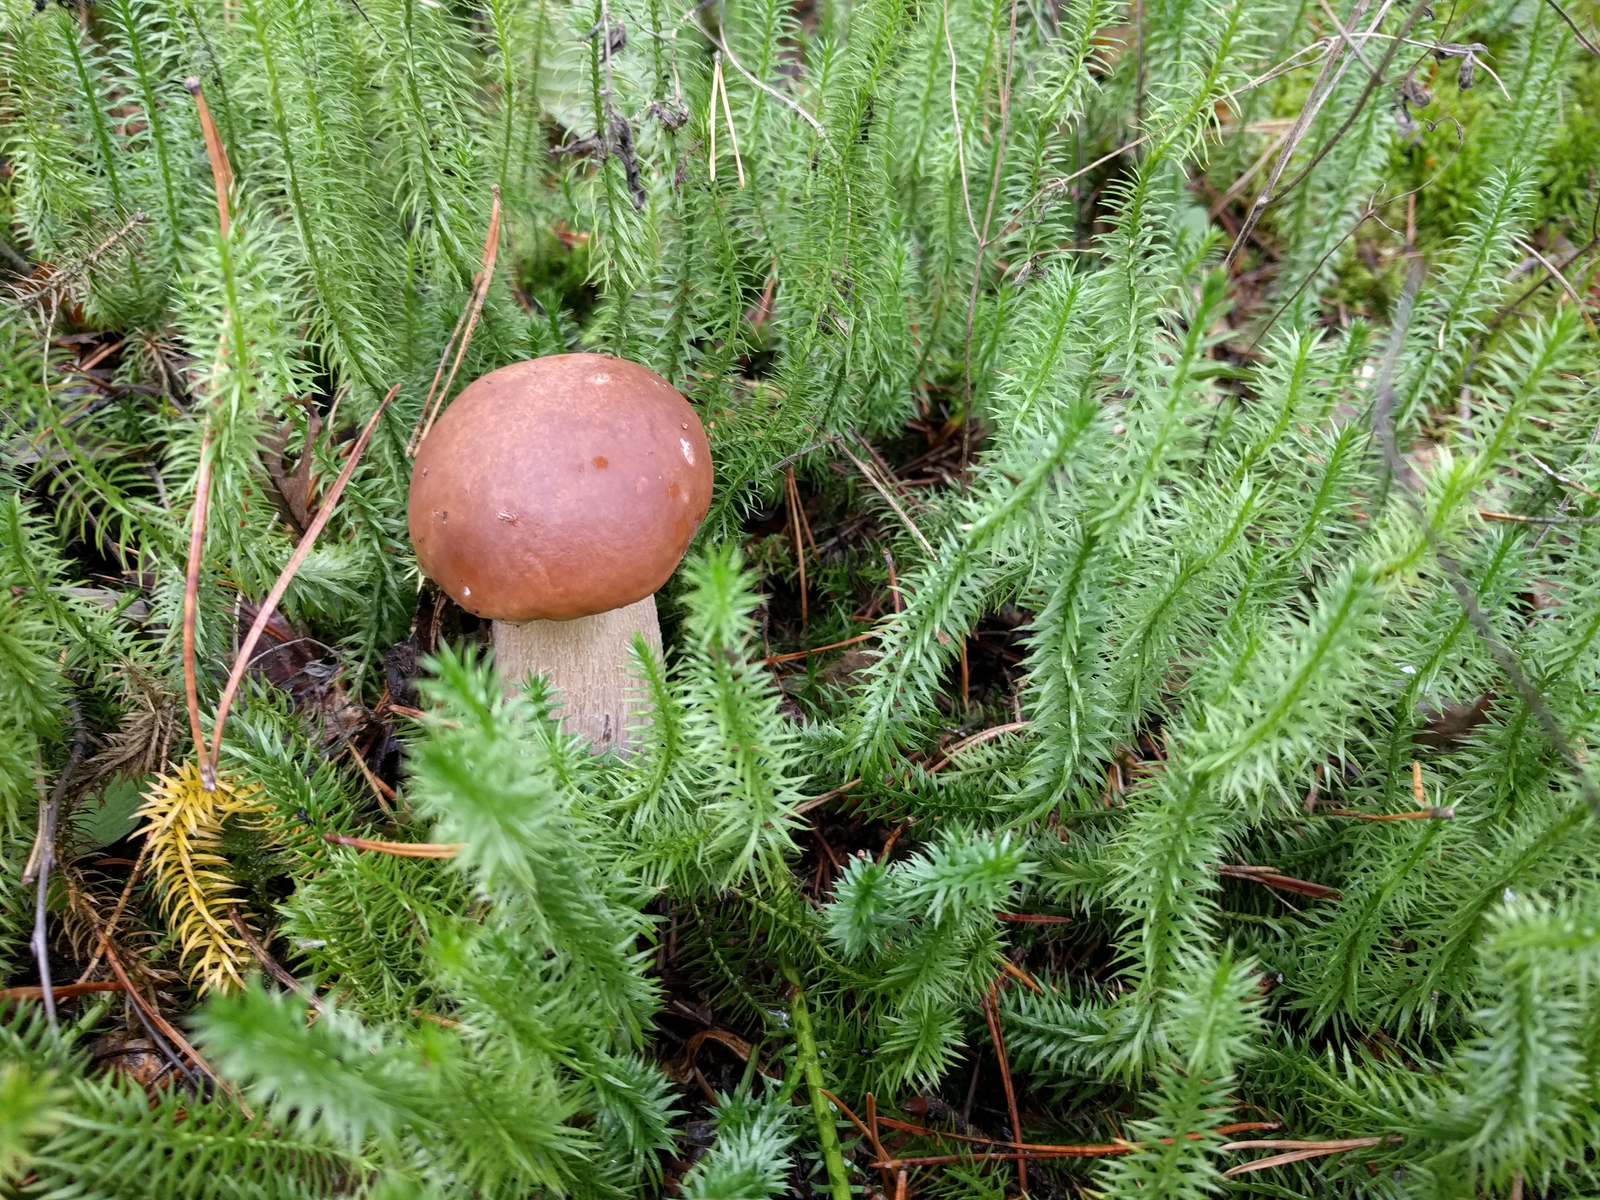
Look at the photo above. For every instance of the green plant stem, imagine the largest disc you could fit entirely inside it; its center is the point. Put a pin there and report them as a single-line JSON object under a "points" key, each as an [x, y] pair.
{"points": [[827, 1134]]}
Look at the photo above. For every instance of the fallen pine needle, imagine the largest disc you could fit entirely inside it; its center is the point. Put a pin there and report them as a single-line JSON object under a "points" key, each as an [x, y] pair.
{"points": [[398, 849]]}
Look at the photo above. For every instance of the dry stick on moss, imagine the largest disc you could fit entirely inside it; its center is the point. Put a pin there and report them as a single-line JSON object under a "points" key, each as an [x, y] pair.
{"points": [[985, 735], [241, 662], [792, 494], [221, 169], [191, 593], [1298, 1151], [883, 491], [1572, 25], [153, 1015], [268, 963], [991, 1014], [1373, 82], [380, 789], [1374, 207], [1327, 78], [116, 913], [398, 849], [1400, 471], [955, 120], [44, 854], [773, 92], [1487, 515], [799, 654], [811, 1067], [1555, 271], [872, 1136], [433, 404], [65, 992]]}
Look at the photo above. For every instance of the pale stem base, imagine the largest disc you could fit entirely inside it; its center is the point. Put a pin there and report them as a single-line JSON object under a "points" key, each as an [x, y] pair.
{"points": [[589, 662]]}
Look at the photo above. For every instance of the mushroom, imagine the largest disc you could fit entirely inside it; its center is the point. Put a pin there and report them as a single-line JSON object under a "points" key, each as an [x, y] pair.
{"points": [[554, 497]]}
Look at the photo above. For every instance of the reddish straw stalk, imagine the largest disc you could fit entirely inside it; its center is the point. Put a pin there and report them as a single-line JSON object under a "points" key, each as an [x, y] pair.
{"points": [[241, 662]]}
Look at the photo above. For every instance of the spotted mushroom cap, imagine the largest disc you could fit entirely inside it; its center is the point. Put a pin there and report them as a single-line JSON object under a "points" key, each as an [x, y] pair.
{"points": [[558, 488]]}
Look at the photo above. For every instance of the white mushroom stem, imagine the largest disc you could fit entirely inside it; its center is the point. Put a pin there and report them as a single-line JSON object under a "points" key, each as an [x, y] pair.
{"points": [[589, 662]]}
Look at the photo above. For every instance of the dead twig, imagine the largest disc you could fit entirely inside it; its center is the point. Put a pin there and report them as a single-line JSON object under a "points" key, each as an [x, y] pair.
{"points": [[791, 492], [775, 94], [1572, 25], [398, 849], [134, 876], [44, 856], [986, 735], [983, 246], [1269, 877], [1426, 814], [1555, 271], [806, 806], [991, 1013], [799, 654], [380, 789], [65, 992], [433, 404], [268, 963], [1518, 519], [870, 476], [1400, 471], [191, 593], [1021, 976], [1032, 918], [221, 169], [1298, 1151], [1315, 99], [241, 662]]}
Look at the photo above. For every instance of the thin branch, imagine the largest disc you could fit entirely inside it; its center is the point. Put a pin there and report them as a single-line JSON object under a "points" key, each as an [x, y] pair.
{"points": [[792, 494], [1373, 82], [1426, 814], [866, 471], [773, 92], [1344, 34], [116, 913], [64, 992], [1487, 515], [268, 963], [806, 806], [955, 118], [719, 83], [1301, 1152], [1560, 478], [45, 855], [1315, 99], [1270, 877], [799, 654], [221, 169], [241, 662], [154, 1016], [983, 248], [433, 405], [1572, 25], [1555, 271], [1400, 471], [1032, 918], [398, 849], [191, 593], [986, 735], [382, 790], [991, 1013]]}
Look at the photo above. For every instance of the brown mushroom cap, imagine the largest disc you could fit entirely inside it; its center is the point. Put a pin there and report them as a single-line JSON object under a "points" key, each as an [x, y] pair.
{"points": [[559, 488]]}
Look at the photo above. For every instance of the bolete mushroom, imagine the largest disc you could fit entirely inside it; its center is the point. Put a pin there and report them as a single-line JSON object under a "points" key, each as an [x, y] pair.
{"points": [[554, 497]]}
